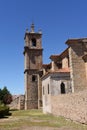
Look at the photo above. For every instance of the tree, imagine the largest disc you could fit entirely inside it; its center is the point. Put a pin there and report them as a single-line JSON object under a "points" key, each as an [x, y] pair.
{"points": [[1, 95], [5, 96], [7, 99]]}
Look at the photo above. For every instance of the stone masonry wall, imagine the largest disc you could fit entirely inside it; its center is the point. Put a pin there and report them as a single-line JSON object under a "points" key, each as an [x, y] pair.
{"points": [[31, 97], [86, 69], [72, 106], [65, 62], [18, 103], [77, 67]]}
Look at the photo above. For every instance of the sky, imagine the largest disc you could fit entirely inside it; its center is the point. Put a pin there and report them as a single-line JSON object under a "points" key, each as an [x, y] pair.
{"points": [[59, 20]]}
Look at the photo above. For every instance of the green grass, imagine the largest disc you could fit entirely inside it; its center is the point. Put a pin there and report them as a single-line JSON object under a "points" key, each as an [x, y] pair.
{"points": [[37, 118]]}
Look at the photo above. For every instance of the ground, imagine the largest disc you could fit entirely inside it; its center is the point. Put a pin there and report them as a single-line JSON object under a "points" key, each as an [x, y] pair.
{"points": [[36, 120]]}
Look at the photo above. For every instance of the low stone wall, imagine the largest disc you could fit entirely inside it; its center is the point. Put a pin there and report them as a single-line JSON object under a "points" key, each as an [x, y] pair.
{"points": [[72, 106], [18, 103]]}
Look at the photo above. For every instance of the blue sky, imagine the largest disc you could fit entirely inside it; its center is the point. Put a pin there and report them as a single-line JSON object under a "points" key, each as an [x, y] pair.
{"points": [[59, 20]]}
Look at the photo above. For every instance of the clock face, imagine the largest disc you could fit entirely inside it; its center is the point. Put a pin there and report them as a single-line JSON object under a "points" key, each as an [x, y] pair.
{"points": [[34, 42]]}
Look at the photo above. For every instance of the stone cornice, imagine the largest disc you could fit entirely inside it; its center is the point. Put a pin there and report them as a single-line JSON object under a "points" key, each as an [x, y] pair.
{"points": [[27, 49], [36, 71], [32, 34], [72, 41]]}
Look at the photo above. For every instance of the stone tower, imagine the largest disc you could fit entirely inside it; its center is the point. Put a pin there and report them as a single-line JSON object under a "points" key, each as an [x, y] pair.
{"points": [[32, 70]]}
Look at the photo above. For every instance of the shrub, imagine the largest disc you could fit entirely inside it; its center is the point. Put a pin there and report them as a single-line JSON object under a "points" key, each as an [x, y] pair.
{"points": [[4, 110]]}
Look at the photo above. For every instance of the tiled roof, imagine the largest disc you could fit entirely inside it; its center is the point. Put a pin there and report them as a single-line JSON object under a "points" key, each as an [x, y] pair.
{"points": [[63, 70], [80, 40], [46, 66], [64, 53], [58, 57], [54, 56]]}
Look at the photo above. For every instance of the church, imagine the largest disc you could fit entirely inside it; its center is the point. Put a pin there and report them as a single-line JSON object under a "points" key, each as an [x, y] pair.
{"points": [[66, 73]]}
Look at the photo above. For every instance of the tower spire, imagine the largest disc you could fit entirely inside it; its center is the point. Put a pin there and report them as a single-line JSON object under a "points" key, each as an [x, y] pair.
{"points": [[32, 28]]}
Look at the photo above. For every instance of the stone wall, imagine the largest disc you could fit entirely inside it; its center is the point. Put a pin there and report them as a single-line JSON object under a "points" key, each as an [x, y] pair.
{"points": [[65, 63], [31, 95], [72, 106], [18, 103], [77, 67], [51, 86], [39, 92], [86, 69]]}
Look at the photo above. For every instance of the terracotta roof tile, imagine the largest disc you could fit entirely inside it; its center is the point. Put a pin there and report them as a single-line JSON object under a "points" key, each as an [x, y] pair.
{"points": [[46, 65], [54, 56], [63, 70]]}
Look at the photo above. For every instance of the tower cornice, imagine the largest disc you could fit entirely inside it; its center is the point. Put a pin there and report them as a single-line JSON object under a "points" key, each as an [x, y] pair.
{"points": [[27, 49], [32, 34]]}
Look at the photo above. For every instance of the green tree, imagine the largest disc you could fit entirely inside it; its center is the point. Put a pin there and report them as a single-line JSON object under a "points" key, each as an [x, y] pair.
{"points": [[1, 96], [5, 96]]}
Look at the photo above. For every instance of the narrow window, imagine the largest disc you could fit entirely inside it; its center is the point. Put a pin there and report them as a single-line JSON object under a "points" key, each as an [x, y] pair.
{"points": [[34, 42], [34, 78], [48, 88], [43, 90], [62, 88]]}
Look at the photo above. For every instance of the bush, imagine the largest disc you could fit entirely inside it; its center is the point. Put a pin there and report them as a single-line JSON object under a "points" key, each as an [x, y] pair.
{"points": [[4, 110]]}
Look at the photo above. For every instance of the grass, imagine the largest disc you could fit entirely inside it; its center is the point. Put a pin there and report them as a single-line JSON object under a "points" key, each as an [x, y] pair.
{"points": [[28, 118]]}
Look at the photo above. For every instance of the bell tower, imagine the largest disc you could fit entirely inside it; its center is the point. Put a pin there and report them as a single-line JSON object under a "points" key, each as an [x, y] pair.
{"points": [[32, 68]]}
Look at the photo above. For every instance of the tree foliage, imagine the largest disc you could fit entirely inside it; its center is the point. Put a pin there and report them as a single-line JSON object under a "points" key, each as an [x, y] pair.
{"points": [[5, 96]]}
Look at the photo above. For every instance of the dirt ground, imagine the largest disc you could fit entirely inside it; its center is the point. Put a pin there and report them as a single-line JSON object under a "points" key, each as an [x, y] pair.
{"points": [[32, 127], [25, 127], [34, 120], [41, 128]]}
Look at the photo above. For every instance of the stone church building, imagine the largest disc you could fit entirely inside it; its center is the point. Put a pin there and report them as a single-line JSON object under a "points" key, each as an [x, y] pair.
{"points": [[66, 73]]}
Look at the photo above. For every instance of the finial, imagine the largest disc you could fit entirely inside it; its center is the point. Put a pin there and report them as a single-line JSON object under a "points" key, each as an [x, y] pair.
{"points": [[26, 30], [32, 28], [40, 31]]}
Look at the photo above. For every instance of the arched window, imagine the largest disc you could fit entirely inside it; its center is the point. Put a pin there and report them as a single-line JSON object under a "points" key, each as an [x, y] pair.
{"points": [[34, 42], [62, 88], [48, 89]]}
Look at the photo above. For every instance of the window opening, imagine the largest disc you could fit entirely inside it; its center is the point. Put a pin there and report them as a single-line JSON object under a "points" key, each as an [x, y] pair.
{"points": [[62, 88], [43, 90], [34, 78], [48, 88], [34, 42]]}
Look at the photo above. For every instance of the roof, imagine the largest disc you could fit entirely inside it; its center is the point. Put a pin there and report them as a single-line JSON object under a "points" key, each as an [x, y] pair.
{"points": [[46, 65], [63, 70], [85, 57], [75, 40], [53, 57], [64, 53], [59, 57]]}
